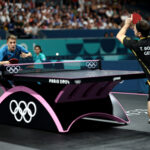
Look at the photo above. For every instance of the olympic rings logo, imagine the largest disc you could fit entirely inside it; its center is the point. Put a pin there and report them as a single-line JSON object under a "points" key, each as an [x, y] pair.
{"points": [[91, 65], [26, 111], [13, 69]]}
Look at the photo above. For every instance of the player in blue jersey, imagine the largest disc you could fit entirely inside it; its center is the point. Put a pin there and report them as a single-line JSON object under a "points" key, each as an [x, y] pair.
{"points": [[12, 50]]}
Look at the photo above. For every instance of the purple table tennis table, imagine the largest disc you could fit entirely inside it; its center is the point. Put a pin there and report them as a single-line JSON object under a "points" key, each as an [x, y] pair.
{"points": [[56, 100]]}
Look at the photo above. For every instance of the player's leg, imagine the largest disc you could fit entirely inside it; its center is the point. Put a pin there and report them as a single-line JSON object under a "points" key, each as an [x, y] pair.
{"points": [[148, 107]]}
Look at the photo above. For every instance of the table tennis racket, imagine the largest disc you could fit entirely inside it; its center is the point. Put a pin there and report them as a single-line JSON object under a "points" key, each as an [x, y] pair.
{"points": [[13, 61], [136, 18]]}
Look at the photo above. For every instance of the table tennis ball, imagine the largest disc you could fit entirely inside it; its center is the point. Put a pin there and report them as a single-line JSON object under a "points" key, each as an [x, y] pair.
{"points": [[57, 54]]}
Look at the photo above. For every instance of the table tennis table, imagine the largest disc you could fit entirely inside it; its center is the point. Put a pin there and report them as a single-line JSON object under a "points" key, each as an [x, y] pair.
{"points": [[56, 100]]}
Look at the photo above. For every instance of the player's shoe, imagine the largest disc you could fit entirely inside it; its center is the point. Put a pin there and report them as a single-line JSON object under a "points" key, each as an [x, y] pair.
{"points": [[149, 120]]}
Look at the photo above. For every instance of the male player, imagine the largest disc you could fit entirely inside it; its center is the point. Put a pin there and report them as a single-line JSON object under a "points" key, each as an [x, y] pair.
{"points": [[12, 50], [140, 48]]}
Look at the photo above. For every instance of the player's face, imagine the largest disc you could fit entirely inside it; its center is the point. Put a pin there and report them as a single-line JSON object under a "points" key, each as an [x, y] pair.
{"points": [[37, 50], [11, 44]]}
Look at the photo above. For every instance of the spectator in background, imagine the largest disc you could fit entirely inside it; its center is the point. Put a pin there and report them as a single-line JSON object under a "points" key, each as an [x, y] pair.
{"points": [[124, 15], [38, 56], [11, 26], [111, 34], [73, 14], [34, 30], [109, 12], [81, 4], [28, 30], [19, 31], [75, 2], [106, 35]]}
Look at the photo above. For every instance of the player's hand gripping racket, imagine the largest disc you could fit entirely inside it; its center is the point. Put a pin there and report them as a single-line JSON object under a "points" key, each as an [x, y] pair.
{"points": [[136, 18], [14, 61]]}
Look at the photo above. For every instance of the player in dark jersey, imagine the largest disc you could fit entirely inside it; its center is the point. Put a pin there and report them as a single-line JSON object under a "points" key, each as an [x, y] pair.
{"points": [[140, 47]]}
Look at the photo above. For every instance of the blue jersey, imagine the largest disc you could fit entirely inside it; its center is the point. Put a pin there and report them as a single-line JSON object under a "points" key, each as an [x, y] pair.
{"points": [[5, 54], [39, 59]]}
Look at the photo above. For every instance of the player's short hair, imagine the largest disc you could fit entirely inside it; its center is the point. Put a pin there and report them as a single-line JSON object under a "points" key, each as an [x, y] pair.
{"points": [[144, 27], [38, 47], [11, 37]]}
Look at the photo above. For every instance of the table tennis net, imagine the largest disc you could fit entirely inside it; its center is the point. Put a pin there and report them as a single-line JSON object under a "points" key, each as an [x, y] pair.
{"points": [[52, 66]]}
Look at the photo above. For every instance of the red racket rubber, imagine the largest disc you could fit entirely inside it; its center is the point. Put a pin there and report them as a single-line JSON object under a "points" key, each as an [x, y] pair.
{"points": [[13, 61], [136, 18]]}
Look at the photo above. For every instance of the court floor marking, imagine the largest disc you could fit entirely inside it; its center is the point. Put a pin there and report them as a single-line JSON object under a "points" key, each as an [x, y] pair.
{"points": [[8, 146]]}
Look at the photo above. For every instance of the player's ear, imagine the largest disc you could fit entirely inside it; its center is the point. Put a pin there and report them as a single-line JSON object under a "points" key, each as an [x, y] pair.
{"points": [[139, 34]]}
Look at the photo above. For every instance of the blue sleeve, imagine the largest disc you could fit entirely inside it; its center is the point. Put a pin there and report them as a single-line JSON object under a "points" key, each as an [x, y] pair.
{"points": [[2, 53], [22, 49]]}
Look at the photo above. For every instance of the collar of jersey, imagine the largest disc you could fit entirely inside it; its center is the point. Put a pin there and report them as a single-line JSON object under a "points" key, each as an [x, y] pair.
{"points": [[144, 37]]}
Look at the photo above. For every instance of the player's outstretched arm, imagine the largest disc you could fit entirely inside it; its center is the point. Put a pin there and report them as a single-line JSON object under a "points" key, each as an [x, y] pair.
{"points": [[4, 62], [25, 55], [122, 33]]}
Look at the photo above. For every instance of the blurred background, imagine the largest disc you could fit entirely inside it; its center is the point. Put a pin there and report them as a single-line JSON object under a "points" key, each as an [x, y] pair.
{"points": [[75, 30]]}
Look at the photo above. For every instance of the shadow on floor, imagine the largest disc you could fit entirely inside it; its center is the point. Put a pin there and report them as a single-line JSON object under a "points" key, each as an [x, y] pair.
{"points": [[84, 135]]}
